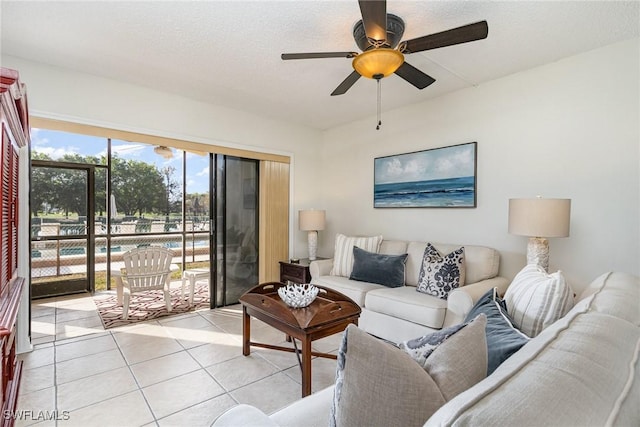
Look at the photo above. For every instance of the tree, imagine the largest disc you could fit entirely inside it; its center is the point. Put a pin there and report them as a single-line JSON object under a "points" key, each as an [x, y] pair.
{"points": [[70, 187], [172, 188], [41, 185], [101, 191], [137, 186]]}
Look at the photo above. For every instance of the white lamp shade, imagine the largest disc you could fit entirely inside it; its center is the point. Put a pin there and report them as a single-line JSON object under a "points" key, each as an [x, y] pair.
{"points": [[311, 220], [539, 217]]}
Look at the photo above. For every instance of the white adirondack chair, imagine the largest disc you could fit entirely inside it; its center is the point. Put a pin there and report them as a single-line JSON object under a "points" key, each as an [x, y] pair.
{"points": [[146, 269]]}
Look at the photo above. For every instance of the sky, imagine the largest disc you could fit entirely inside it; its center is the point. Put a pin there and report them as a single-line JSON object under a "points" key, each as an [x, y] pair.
{"points": [[441, 163], [56, 144]]}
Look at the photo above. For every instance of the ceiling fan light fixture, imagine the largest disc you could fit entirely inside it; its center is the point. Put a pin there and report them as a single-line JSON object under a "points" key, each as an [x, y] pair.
{"points": [[378, 62], [395, 30], [163, 151]]}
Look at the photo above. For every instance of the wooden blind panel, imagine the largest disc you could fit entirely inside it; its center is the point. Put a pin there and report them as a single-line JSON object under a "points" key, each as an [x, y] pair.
{"points": [[5, 229], [274, 218], [13, 211]]}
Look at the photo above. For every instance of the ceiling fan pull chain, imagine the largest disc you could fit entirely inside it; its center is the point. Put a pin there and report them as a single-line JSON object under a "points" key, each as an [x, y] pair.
{"points": [[379, 105]]}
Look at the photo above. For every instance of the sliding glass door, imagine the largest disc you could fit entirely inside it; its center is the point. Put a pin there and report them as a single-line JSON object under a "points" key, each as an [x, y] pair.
{"points": [[93, 205], [237, 227]]}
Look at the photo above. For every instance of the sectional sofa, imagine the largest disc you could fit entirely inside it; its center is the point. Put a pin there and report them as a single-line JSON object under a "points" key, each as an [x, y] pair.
{"points": [[400, 313], [582, 370]]}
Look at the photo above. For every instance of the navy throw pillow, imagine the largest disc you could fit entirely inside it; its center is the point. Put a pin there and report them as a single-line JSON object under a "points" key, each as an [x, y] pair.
{"points": [[387, 270], [503, 339]]}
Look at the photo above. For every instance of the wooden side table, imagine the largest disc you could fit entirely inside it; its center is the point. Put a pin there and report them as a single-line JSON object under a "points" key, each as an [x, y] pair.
{"points": [[295, 272], [330, 313]]}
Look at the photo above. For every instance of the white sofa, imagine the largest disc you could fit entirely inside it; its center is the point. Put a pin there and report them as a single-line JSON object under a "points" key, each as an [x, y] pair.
{"points": [[399, 314], [583, 370]]}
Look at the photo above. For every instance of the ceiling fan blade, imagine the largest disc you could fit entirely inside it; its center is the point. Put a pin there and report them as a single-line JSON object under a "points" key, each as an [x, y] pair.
{"points": [[374, 18], [414, 76], [464, 34], [346, 84], [286, 56]]}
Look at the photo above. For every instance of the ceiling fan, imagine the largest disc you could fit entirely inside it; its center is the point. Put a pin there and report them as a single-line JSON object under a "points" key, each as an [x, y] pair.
{"points": [[163, 151], [379, 36]]}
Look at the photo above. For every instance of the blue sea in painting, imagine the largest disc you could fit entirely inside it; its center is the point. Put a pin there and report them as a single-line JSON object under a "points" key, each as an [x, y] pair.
{"points": [[451, 192]]}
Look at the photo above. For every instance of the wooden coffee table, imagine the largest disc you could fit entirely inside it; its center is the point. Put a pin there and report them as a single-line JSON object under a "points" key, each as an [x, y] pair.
{"points": [[330, 313]]}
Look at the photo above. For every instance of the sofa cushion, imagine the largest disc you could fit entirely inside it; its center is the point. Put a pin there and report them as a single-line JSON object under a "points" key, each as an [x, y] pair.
{"points": [[440, 274], [503, 339], [481, 263], [536, 299], [343, 252], [355, 290], [393, 247], [407, 304], [580, 371], [364, 399], [387, 270], [621, 300]]}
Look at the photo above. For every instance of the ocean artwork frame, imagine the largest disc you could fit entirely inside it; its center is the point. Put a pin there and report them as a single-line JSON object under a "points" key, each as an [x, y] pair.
{"points": [[443, 177]]}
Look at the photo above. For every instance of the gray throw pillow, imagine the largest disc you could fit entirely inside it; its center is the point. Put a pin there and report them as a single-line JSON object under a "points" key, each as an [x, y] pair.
{"points": [[503, 339], [460, 362], [387, 270], [371, 371]]}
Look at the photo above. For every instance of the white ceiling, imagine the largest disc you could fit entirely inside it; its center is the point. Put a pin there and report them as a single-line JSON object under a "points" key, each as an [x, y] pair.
{"points": [[228, 52]]}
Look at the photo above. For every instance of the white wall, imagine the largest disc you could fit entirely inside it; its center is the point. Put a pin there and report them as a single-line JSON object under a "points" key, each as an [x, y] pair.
{"points": [[569, 129], [64, 94]]}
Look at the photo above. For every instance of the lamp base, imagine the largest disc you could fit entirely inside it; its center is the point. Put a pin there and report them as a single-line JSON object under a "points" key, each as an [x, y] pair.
{"points": [[313, 244], [538, 252]]}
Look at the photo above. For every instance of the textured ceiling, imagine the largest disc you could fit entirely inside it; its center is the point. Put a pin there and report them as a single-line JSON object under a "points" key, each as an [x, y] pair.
{"points": [[228, 52]]}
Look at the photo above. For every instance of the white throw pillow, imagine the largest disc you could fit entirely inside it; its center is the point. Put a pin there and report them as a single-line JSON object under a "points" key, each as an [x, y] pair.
{"points": [[536, 299], [343, 253]]}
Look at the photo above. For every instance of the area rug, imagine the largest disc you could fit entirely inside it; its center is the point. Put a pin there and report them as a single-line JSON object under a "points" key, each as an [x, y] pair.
{"points": [[148, 305]]}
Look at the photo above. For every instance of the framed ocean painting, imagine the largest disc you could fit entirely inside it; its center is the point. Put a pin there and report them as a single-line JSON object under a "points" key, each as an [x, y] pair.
{"points": [[437, 178]]}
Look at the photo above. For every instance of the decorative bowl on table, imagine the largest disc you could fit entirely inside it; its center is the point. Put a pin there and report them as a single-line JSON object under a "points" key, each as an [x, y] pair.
{"points": [[298, 296]]}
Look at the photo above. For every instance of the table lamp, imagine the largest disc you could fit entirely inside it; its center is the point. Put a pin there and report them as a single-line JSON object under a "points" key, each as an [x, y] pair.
{"points": [[312, 221], [539, 219]]}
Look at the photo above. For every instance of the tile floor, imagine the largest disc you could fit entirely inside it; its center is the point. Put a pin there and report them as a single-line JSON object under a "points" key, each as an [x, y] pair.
{"points": [[183, 370]]}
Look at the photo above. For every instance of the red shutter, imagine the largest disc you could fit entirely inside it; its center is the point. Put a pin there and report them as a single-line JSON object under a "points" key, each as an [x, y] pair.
{"points": [[5, 206], [13, 244]]}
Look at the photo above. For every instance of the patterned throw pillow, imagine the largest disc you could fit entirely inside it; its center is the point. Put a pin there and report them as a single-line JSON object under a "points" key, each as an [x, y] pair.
{"points": [[343, 253], [536, 299], [440, 274]]}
